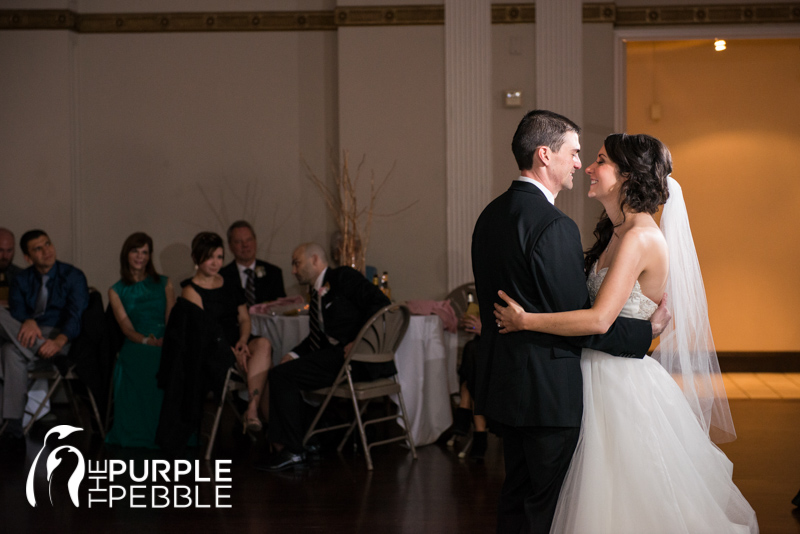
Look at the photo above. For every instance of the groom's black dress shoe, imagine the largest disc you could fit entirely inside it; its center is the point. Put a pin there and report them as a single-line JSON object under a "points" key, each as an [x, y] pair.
{"points": [[281, 461]]}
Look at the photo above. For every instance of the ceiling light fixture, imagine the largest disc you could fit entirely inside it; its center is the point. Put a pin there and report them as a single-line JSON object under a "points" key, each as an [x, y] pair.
{"points": [[719, 45]]}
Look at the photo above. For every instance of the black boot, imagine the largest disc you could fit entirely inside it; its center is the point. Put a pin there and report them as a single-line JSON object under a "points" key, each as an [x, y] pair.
{"points": [[462, 421], [479, 444]]}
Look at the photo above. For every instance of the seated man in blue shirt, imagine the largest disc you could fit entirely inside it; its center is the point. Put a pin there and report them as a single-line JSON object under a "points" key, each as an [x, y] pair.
{"points": [[46, 302]]}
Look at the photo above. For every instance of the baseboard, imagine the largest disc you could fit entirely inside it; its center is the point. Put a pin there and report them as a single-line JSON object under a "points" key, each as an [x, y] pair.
{"points": [[759, 362]]}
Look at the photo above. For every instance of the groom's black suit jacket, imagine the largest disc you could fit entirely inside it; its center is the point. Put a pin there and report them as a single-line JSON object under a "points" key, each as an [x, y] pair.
{"points": [[530, 249]]}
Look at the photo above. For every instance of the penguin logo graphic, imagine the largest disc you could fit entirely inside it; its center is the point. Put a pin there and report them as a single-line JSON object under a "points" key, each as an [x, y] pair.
{"points": [[62, 431]]}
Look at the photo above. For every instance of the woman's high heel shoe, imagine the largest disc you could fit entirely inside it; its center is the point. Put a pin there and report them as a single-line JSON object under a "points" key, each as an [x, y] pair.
{"points": [[252, 425]]}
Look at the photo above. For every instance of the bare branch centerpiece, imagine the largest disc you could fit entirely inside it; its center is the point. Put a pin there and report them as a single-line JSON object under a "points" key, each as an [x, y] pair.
{"points": [[353, 218]]}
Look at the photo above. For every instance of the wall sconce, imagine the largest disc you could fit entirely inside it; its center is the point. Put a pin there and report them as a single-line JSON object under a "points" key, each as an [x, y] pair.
{"points": [[719, 45], [512, 99]]}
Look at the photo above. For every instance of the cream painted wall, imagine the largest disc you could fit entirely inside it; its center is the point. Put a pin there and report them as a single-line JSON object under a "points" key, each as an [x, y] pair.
{"points": [[391, 108], [731, 122], [36, 154], [598, 110], [513, 68], [173, 134]]}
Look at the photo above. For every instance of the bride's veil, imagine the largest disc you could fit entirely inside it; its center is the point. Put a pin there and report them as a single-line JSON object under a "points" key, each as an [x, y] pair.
{"points": [[686, 349]]}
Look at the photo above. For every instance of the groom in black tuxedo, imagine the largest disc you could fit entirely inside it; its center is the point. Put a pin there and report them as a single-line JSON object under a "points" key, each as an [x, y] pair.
{"points": [[530, 383]]}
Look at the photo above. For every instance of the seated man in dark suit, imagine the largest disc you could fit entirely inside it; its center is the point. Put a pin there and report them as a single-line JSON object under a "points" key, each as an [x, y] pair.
{"points": [[46, 302], [7, 268], [342, 300], [261, 281]]}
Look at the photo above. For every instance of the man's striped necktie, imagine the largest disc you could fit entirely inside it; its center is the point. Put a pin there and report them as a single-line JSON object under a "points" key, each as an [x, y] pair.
{"points": [[316, 334], [250, 287]]}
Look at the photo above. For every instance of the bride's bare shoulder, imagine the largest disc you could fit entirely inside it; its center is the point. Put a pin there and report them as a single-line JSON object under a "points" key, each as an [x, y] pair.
{"points": [[646, 237], [645, 232]]}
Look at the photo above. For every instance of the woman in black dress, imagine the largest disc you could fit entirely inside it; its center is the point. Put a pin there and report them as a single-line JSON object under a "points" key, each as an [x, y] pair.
{"points": [[227, 306]]}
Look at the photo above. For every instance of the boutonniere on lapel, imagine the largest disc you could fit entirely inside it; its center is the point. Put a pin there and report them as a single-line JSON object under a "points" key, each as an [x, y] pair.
{"points": [[260, 271], [324, 289]]}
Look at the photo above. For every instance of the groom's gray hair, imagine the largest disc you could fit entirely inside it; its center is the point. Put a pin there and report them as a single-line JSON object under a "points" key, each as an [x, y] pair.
{"points": [[540, 128]]}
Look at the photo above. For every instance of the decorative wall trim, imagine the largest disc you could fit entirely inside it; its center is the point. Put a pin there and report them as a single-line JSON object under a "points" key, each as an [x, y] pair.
{"points": [[37, 19], [168, 22], [389, 16], [599, 13], [630, 16], [513, 13], [712, 14]]}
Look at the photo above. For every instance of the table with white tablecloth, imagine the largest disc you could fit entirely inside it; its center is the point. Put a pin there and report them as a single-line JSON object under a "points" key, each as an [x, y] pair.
{"points": [[426, 366]]}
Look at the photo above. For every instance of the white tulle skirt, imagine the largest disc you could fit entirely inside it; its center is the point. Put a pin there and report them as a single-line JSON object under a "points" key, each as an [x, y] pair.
{"points": [[643, 463]]}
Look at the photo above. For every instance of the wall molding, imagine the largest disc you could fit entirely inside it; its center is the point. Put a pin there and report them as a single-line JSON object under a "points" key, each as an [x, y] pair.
{"points": [[389, 16], [512, 13], [167, 22], [599, 13], [707, 14]]}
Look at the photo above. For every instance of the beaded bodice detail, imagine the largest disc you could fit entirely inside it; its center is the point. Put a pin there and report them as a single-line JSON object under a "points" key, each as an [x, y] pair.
{"points": [[638, 306]]}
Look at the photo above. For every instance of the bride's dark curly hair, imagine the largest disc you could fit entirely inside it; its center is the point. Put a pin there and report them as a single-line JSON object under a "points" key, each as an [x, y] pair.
{"points": [[645, 163]]}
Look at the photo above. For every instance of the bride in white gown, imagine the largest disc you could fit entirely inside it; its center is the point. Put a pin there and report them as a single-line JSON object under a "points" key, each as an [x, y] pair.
{"points": [[644, 462]]}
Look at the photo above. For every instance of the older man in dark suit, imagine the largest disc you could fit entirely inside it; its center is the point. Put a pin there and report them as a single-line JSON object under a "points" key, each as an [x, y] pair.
{"points": [[261, 281], [530, 383], [341, 302]]}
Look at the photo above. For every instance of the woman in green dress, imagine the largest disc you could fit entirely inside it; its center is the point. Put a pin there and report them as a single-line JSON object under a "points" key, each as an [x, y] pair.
{"points": [[141, 301]]}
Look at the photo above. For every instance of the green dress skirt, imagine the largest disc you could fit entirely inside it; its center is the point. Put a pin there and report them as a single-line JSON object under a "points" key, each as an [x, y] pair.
{"points": [[137, 398]]}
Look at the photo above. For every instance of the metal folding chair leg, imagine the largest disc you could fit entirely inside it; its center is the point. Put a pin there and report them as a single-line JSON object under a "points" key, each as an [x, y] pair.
{"points": [[73, 402], [376, 343], [217, 416], [58, 379], [50, 391], [361, 428], [227, 388], [406, 426], [351, 428], [93, 403]]}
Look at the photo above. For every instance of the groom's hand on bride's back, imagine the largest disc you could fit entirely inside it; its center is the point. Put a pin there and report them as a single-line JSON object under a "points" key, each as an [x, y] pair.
{"points": [[660, 318]]}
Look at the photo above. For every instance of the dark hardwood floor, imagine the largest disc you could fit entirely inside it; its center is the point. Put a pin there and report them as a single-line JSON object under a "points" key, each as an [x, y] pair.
{"points": [[438, 493]]}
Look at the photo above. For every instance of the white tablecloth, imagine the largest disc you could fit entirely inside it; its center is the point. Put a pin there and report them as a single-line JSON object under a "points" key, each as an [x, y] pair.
{"points": [[426, 367]]}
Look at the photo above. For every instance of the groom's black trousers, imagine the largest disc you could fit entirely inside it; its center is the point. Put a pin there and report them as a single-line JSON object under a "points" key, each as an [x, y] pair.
{"points": [[536, 461]]}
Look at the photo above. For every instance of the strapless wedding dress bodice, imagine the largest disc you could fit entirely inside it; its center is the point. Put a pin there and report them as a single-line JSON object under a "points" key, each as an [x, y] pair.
{"points": [[638, 306], [643, 463]]}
